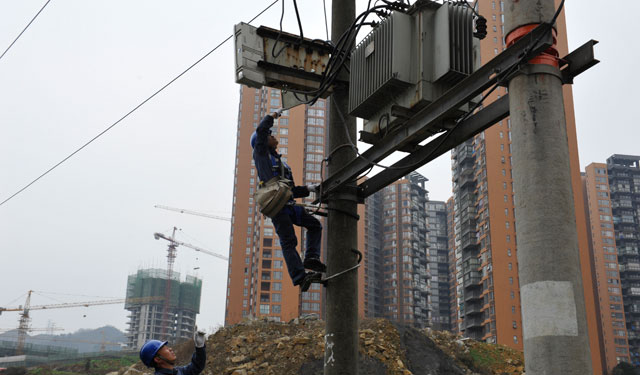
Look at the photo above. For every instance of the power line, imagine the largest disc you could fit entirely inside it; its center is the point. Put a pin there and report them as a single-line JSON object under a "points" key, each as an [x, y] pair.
{"points": [[326, 25], [131, 111], [23, 30]]}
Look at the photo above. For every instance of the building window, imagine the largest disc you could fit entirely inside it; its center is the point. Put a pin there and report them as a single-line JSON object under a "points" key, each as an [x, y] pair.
{"points": [[515, 339], [264, 309]]}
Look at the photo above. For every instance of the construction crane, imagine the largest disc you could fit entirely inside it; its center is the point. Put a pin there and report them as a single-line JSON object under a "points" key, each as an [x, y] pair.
{"points": [[25, 316], [171, 257], [190, 212], [196, 248]]}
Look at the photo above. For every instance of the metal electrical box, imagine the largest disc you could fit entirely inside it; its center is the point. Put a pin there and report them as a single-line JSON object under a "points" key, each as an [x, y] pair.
{"points": [[270, 57], [409, 60], [381, 65], [249, 50]]}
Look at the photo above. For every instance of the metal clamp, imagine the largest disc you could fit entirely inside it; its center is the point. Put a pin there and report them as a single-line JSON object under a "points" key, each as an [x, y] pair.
{"points": [[324, 281]]}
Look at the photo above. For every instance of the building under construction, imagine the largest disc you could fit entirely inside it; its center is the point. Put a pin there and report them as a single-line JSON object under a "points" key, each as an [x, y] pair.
{"points": [[147, 319]]}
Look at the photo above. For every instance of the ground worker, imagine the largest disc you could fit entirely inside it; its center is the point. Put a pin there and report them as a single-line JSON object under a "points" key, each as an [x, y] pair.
{"points": [[269, 165], [160, 356]]}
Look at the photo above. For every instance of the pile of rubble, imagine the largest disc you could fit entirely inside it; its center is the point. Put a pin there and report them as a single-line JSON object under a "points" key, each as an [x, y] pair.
{"points": [[272, 348]]}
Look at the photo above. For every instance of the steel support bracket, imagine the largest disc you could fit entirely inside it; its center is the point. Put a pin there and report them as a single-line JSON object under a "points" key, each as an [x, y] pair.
{"points": [[576, 62]]}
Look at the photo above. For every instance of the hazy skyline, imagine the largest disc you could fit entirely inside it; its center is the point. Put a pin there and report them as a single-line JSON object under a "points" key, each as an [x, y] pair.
{"points": [[83, 64]]}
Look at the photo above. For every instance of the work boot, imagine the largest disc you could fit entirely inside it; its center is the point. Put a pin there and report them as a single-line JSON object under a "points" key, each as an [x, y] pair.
{"points": [[314, 264], [310, 278]]}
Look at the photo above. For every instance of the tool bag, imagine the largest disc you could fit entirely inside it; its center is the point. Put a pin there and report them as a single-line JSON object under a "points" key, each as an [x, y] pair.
{"points": [[273, 195]]}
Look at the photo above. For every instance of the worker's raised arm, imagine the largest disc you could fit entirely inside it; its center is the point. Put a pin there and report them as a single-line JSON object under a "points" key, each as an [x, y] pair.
{"points": [[264, 130]]}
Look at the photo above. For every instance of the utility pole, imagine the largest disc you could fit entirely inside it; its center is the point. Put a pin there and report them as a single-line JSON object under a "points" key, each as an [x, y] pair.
{"points": [[552, 297], [341, 339]]}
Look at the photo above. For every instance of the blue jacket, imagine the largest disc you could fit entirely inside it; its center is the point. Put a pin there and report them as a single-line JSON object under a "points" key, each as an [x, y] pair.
{"points": [[198, 360], [268, 161]]}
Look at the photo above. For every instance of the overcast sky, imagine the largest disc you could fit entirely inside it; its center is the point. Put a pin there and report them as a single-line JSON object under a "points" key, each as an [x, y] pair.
{"points": [[77, 233]]}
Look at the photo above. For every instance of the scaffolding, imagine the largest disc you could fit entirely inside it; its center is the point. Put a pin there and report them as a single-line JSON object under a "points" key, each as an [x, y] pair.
{"points": [[146, 318]]}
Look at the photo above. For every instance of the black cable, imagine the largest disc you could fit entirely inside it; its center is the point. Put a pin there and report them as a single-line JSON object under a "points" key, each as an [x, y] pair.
{"points": [[340, 52], [23, 30], [273, 50], [339, 55], [295, 6], [131, 111]]}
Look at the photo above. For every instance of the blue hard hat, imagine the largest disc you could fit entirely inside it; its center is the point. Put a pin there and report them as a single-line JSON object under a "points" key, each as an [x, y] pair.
{"points": [[254, 139], [149, 351]]}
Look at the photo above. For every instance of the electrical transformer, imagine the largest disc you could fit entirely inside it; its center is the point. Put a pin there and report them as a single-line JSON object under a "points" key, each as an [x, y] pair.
{"points": [[408, 61]]}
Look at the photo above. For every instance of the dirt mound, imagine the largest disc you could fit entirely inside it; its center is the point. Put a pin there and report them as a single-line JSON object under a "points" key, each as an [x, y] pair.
{"points": [[297, 348]]}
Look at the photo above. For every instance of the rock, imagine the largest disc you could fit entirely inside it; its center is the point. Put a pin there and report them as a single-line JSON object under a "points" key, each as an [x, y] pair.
{"points": [[238, 359]]}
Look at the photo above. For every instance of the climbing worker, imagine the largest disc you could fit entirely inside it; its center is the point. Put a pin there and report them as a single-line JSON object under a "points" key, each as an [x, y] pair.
{"points": [[274, 172], [160, 356]]}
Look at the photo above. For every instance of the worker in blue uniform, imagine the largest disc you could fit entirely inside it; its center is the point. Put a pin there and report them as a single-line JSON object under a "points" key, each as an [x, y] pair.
{"points": [[160, 356], [269, 164]]}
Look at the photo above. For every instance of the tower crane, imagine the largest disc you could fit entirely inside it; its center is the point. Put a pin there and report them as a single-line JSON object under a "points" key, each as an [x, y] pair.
{"points": [[25, 316], [196, 248], [171, 257], [190, 212]]}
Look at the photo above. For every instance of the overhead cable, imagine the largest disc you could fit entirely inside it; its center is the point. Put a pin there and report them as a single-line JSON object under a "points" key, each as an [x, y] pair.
{"points": [[23, 30], [131, 111]]}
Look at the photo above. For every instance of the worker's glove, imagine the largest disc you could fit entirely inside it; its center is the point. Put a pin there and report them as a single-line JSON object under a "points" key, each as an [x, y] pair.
{"points": [[313, 188], [199, 337], [277, 113]]}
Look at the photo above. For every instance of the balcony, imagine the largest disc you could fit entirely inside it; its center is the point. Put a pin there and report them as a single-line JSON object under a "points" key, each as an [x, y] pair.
{"points": [[633, 335], [472, 309], [470, 264], [461, 153], [472, 295], [630, 267], [471, 279], [471, 323], [468, 240]]}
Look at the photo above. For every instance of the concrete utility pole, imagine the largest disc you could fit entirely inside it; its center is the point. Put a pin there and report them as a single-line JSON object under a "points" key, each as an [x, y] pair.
{"points": [[553, 310], [341, 339]]}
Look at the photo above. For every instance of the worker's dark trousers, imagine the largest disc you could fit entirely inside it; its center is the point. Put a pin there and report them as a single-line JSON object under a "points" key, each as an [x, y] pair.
{"points": [[283, 223]]}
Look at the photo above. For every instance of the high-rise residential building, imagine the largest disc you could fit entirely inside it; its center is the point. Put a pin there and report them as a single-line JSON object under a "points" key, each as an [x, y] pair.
{"points": [[373, 261], [258, 283], [484, 262], [599, 199], [453, 281], [624, 185], [146, 291], [397, 252], [438, 265]]}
